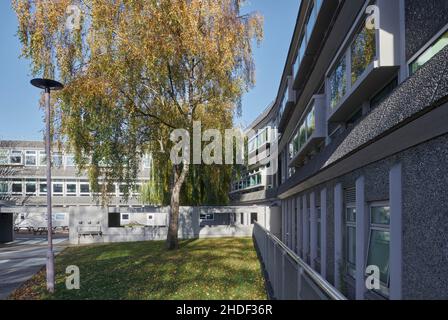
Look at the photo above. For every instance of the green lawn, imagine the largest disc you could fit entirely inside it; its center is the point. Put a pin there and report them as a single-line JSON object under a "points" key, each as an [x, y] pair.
{"points": [[200, 269]]}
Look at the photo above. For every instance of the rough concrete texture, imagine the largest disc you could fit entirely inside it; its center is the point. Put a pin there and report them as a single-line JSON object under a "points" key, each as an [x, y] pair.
{"points": [[423, 20]]}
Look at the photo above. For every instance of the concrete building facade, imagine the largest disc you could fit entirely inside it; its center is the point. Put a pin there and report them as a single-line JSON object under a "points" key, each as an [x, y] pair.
{"points": [[361, 115]]}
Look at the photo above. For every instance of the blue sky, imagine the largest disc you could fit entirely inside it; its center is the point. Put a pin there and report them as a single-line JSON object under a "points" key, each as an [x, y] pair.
{"points": [[21, 118]]}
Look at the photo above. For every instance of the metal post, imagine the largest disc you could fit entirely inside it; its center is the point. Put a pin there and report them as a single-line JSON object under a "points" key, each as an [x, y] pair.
{"points": [[50, 254], [48, 85]]}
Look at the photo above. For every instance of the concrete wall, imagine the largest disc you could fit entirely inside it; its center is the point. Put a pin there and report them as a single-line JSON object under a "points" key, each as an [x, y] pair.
{"points": [[189, 223], [424, 255]]}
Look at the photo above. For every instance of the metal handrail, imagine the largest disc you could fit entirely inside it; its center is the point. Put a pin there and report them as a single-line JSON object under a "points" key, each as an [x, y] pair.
{"points": [[328, 289]]}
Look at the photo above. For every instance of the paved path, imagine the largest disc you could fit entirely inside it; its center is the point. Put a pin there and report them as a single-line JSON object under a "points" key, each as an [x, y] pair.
{"points": [[22, 258]]}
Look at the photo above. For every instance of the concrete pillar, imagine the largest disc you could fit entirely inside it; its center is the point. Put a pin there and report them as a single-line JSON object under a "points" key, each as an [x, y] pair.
{"points": [[299, 227], [306, 229], [313, 230], [338, 203], [323, 233], [361, 237], [396, 235]]}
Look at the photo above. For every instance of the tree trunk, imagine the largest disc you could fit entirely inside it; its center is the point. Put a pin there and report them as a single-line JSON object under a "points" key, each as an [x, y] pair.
{"points": [[172, 242]]}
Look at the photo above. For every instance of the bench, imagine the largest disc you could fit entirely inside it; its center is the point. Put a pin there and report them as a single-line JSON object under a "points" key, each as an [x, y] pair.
{"points": [[89, 230]]}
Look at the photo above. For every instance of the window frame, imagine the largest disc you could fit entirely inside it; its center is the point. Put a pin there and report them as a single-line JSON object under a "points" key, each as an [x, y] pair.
{"points": [[31, 153], [4, 154], [16, 153], [207, 216], [425, 48], [384, 287], [84, 194], [350, 268], [57, 194]]}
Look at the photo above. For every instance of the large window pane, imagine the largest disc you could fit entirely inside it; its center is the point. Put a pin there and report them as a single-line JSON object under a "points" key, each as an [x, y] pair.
{"points": [[15, 157], [30, 186], [379, 253], [302, 135], [363, 51], [3, 186], [310, 123], [351, 247], [17, 186], [30, 158], [380, 215], [4, 156], [57, 160], [429, 53], [338, 83], [350, 214], [310, 23]]}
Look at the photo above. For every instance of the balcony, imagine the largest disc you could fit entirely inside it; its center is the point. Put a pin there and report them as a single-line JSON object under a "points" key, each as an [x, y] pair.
{"points": [[259, 146], [369, 61], [310, 132], [287, 104], [316, 24]]}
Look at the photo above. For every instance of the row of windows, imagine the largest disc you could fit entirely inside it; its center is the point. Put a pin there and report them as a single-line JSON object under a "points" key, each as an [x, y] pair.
{"points": [[304, 132], [34, 158], [378, 238], [38, 187], [249, 181], [259, 140], [362, 53], [39, 158]]}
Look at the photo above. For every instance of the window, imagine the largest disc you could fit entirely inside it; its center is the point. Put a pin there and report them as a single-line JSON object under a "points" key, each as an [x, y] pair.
{"points": [[379, 241], [4, 156], [58, 188], [15, 157], [311, 21], [69, 160], [84, 189], [42, 188], [338, 82], [30, 186], [4, 186], [71, 188], [146, 161], [16, 187], [363, 51], [304, 133], [42, 158], [310, 123], [56, 159], [429, 53], [242, 218], [350, 222], [253, 217], [207, 216], [111, 189], [59, 216], [30, 158]]}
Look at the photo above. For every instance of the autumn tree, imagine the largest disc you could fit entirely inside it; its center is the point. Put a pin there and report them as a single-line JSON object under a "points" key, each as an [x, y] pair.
{"points": [[133, 71]]}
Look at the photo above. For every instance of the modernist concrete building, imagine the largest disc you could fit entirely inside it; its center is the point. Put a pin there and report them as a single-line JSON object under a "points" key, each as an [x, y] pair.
{"points": [[362, 117], [77, 208]]}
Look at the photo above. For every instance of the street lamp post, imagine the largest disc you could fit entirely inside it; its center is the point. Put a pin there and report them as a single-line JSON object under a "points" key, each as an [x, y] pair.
{"points": [[48, 85]]}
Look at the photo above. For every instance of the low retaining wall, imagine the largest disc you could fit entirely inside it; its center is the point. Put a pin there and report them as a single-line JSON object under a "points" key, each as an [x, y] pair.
{"points": [[190, 225]]}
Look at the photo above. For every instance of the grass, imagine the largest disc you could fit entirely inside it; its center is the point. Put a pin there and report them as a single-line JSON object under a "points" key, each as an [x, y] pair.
{"points": [[225, 268]]}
